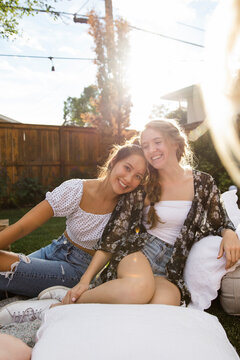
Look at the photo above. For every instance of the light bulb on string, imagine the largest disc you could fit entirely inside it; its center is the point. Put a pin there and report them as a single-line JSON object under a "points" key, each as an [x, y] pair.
{"points": [[51, 59]]}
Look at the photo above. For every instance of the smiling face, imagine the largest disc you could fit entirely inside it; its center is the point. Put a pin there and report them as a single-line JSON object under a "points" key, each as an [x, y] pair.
{"points": [[158, 149], [127, 174]]}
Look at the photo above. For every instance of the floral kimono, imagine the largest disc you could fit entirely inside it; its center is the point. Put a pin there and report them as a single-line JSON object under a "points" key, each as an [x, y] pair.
{"points": [[124, 233]]}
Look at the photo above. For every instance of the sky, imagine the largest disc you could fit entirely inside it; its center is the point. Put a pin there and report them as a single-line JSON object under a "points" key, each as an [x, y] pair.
{"points": [[31, 93]]}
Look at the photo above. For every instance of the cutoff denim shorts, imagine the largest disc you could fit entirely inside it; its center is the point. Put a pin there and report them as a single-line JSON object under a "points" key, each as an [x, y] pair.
{"points": [[60, 263], [158, 253]]}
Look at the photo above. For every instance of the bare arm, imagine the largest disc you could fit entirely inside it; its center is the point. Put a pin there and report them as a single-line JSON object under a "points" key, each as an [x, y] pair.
{"points": [[99, 260], [230, 244], [29, 222]]}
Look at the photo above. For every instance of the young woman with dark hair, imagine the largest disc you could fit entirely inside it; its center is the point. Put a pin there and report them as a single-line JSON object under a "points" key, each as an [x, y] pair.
{"points": [[88, 205]]}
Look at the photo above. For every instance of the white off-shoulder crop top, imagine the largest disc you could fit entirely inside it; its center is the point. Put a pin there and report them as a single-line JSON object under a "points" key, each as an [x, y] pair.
{"points": [[173, 215], [83, 228]]}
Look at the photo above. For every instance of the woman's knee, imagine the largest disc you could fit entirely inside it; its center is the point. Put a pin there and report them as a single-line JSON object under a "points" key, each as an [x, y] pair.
{"points": [[9, 260], [166, 293], [174, 297], [137, 274], [138, 290]]}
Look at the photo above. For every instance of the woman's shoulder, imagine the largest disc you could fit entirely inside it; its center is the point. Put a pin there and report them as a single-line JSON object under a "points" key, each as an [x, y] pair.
{"points": [[73, 182], [65, 198], [71, 185], [202, 176]]}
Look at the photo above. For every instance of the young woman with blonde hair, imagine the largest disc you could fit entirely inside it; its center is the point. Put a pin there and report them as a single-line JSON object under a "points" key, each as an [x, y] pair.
{"points": [[181, 206]]}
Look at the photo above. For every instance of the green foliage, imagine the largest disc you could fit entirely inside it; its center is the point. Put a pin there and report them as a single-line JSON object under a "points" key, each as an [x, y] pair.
{"points": [[162, 111], [28, 191], [4, 184], [179, 114], [25, 192], [159, 111], [209, 161], [75, 107], [12, 11]]}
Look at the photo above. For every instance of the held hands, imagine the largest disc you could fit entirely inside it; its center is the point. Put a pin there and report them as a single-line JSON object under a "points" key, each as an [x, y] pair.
{"points": [[230, 244], [74, 293]]}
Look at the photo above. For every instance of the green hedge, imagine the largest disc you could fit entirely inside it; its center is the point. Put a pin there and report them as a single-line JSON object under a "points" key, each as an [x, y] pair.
{"points": [[207, 160], [29, 191]]}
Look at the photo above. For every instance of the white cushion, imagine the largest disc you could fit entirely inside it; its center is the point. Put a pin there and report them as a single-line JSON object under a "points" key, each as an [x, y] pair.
{"points": [[131, 332], [230, 201], [203, 271]]}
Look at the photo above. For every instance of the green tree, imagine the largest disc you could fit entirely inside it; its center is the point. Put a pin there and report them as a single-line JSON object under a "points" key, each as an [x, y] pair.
{"points": [[74, 107], [12, 11], [207, 160], [162, 111], [114, 103], [159, 111], [179, 114]]}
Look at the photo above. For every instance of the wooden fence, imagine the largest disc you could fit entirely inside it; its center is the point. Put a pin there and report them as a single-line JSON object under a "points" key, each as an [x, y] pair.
{"points": [[47, 152]]}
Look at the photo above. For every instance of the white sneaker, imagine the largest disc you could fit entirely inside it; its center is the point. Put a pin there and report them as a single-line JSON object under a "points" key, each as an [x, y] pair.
{"points": [[24, 311], [55, 292]]}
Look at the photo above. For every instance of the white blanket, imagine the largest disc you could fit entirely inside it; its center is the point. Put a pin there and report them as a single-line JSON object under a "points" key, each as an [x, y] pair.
{"points": [[131, 332], [140, 332]]}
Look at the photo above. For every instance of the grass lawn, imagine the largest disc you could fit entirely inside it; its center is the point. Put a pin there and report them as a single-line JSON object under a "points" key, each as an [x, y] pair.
{"points": [[38, 238], [55, 227]]}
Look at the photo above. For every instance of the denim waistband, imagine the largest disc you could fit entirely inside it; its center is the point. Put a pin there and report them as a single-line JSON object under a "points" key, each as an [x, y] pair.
{"points": [[155, 238]]}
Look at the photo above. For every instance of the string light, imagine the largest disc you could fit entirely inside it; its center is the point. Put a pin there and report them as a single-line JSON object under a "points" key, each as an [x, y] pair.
{"points": [[51, 59], [47, 57]]}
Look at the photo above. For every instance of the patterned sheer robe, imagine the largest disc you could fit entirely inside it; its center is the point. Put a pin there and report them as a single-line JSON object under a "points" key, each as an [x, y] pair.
{"points": [[125, 234]]}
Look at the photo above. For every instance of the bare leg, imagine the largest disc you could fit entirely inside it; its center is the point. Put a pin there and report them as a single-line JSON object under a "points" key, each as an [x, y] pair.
{"points": [[166, 292], [12, 348], [7, 259], [134, 285]]}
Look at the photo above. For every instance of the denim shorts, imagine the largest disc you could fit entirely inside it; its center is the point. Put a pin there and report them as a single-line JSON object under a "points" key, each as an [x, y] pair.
{"points": [[60, 263], [158, 253]]}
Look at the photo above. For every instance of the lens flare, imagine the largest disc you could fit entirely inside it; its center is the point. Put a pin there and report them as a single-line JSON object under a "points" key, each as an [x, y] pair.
{"points": [[221, 84]]}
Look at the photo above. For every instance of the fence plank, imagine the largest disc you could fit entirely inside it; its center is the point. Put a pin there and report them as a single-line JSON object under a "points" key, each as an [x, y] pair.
{"points": [[47, 152]]}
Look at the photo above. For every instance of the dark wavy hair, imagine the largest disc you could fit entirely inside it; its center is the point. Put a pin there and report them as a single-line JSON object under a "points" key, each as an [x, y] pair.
{"points": [[118, 153]]}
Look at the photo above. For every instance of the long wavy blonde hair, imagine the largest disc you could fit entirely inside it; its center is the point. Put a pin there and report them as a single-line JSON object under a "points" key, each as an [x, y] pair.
{"points": [[171, 130]]}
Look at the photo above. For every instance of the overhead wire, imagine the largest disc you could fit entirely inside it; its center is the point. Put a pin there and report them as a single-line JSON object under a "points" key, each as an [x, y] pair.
{"points": [[48, 57], [59, 13], [190, 26], [166, 36]]}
